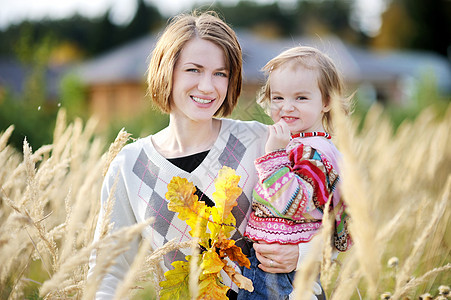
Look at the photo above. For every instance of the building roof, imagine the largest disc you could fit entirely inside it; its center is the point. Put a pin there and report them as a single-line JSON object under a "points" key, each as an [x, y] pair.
{"points": [[387, 65], [13, 75], [258, 51], [125, 63], [129, 62]]}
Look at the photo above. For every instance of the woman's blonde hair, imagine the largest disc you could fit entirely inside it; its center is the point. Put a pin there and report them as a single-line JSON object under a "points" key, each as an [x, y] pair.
{"points": [[330, 81], [181, 29]]}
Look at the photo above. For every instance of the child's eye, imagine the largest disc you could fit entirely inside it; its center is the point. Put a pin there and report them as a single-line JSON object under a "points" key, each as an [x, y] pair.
{"points": [[277, 99], [300, 98]]}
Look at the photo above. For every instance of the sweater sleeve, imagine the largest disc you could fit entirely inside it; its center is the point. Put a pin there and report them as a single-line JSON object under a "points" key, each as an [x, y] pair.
{"points": [[121, 216]]}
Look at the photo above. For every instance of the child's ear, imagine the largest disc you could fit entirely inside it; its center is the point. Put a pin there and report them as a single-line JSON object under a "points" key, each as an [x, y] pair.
{"points": [[326, 106]]}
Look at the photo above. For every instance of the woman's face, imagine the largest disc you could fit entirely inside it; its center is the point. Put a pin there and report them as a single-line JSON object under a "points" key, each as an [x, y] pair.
{"points": [[200, 81]]}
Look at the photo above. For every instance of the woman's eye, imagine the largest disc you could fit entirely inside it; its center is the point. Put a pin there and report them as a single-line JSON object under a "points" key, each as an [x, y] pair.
{"points": [[193, 70], [222, 74]]}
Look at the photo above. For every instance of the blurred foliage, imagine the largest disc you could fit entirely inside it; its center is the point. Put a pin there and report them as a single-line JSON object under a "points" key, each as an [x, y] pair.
{"points": [[74, 97], [420, 24], [30, 112], [424, 94], [297, 18], [248, 110], [88, 36], [149, 121], [35, 55], [35, 123]]}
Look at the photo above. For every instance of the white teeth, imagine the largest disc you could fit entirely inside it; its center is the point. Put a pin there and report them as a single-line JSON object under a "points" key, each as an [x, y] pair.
{"points": [[200, 100]]}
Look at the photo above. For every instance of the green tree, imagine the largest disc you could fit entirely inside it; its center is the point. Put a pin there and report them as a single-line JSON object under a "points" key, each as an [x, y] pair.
{"points": [[30, 112], [146, 19], [302, 17], [421, 24]]}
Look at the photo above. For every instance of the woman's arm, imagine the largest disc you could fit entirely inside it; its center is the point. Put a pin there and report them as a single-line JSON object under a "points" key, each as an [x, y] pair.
{"points": [[121, 216]]}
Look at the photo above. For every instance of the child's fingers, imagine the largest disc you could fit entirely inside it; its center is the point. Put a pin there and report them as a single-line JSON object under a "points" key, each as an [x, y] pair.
{"points": [[284, 129], [280, 127], [275, 129], [272, 130]]}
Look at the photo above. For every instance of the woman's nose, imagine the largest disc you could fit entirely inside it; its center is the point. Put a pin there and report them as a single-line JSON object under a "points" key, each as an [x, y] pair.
{"points": [[205, 84]]}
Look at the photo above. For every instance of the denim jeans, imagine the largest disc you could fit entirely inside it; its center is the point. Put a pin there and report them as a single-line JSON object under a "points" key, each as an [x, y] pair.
{"points": [[266, 285]]}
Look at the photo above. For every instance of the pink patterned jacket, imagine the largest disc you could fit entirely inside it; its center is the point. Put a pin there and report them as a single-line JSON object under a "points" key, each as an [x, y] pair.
{"points": [[294, 186]]}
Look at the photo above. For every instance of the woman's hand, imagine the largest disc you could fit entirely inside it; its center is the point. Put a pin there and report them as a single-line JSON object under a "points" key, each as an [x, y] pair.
{"points": [[279, 136], [277, 258]]}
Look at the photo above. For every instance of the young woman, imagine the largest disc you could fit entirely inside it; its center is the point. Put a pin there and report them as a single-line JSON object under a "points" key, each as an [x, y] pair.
{"points": [[195, 76]]}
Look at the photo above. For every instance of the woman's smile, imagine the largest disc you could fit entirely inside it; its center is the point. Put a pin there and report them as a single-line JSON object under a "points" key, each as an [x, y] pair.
{"points": [[201, 100]]}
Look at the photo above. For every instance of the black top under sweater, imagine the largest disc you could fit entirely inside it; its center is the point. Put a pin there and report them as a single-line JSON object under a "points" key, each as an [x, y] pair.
{"points": [[190, 163]]}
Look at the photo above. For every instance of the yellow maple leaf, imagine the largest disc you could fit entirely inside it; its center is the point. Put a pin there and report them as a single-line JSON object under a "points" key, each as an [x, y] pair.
{"points": [[219, 224], [183, 201], [181, 197], [215, 245], [211, 262], [211, 288], [227, 190], [176, 285]]}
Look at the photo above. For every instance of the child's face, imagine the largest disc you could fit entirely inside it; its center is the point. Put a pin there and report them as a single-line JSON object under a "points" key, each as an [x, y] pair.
{"points": [[296, 98]]}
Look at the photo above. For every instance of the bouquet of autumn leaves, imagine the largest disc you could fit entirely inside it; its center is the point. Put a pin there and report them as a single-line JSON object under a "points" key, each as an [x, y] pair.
{"points": [[211, 227]]}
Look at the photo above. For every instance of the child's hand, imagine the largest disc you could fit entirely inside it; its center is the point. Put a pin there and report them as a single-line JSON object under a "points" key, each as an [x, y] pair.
{"points": [[279, 136]]}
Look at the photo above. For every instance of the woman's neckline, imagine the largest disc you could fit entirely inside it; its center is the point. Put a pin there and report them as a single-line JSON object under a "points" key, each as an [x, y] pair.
{"points": [[194, 150]]}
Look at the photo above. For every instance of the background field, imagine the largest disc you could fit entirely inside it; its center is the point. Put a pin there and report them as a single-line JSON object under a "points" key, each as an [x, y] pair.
{"points": [[397, 154]]}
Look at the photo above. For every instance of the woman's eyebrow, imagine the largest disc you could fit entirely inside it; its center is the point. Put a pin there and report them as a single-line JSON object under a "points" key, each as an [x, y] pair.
{"points": [[222, 68]]}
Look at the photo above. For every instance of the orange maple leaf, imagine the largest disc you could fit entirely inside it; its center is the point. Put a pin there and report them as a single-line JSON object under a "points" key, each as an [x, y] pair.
{"points": [[241, 281], [233, 252]]}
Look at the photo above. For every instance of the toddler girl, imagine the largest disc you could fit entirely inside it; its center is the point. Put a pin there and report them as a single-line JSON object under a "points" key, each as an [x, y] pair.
{"points": [[299, 172]]}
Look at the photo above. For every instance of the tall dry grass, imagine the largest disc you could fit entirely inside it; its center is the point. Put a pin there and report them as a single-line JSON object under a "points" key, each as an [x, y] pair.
{"points": [[397, 185]]}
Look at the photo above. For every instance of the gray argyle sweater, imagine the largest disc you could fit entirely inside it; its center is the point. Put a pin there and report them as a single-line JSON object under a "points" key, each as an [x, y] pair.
{"points": [[142, 185]]}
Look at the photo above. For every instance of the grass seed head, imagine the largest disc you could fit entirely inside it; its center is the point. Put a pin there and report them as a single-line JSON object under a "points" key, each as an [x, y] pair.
{"points": [[444, 290], [426, 296], [393, 262]]}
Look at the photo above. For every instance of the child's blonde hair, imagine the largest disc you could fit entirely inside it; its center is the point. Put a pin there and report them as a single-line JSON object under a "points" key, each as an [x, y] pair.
{"points": [[330, 81]]}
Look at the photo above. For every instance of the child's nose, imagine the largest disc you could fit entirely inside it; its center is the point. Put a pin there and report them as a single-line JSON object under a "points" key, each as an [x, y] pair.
{"points": [[287, 105]]}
